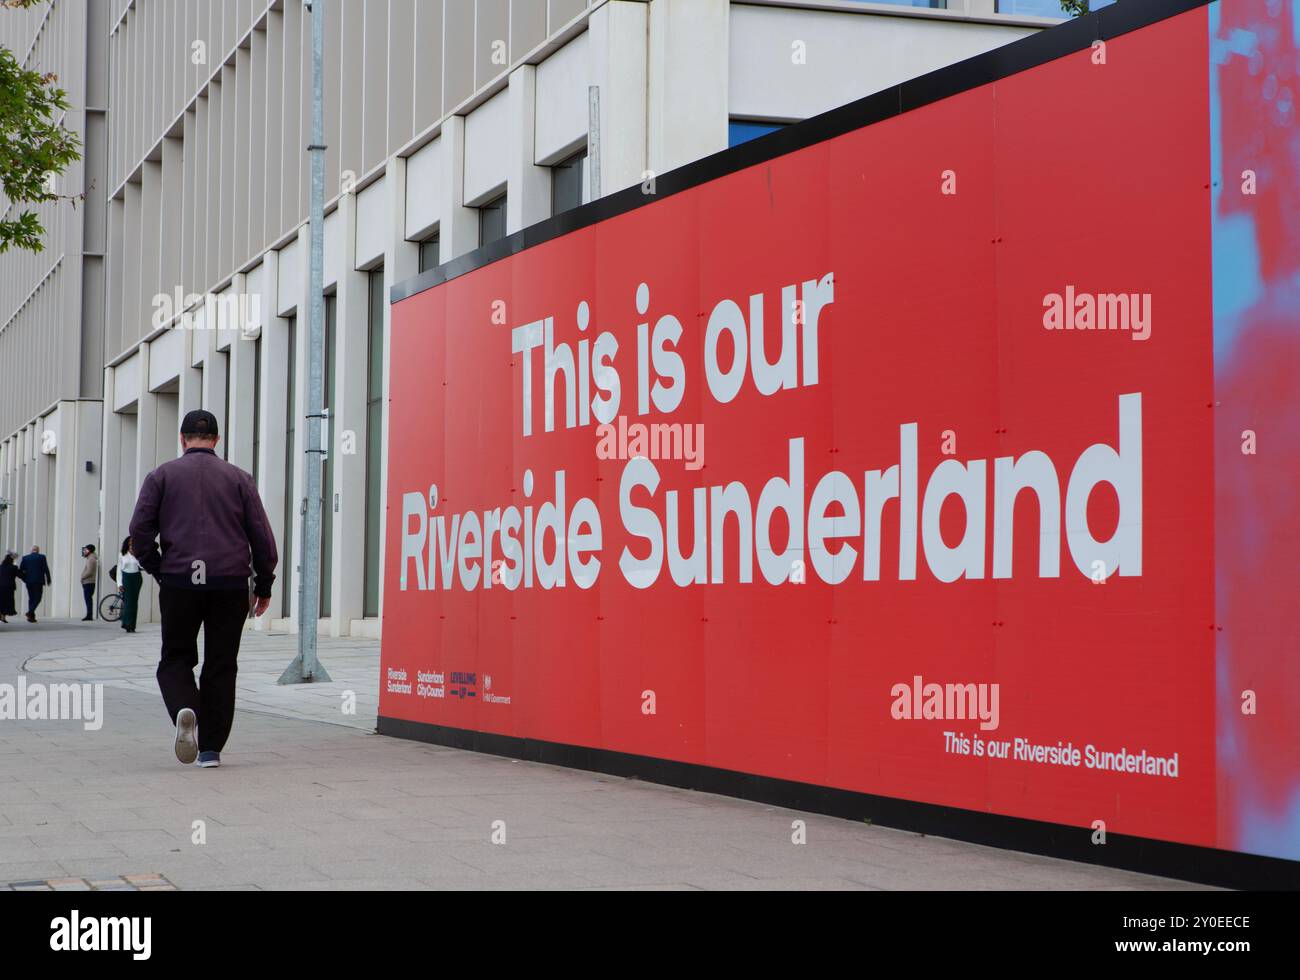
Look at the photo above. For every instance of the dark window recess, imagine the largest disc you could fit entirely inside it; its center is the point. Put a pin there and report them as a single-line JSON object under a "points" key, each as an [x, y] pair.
{"points": [[492, 221], [430, 249], [225, 443], [1042, 8], [327, 475], [257, 408], [287, 558], [566, 183], [374, 442]]}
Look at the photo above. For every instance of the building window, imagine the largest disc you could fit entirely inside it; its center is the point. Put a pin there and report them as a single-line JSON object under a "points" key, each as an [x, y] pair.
{"points": [[327, 476], [374, 444], [430, 250], [1042, 8], [566, 183], [935, 4], [290, 415], [257, 407], [492, 221], [225, 424], [742, 131]]}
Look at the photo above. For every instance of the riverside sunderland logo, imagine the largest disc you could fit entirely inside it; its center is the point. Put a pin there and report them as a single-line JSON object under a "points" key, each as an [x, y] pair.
{"points": [[396, 681]]}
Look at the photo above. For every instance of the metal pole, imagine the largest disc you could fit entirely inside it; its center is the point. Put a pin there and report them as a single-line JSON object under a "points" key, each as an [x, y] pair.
{"points": [[593, 142], [305, 667]]}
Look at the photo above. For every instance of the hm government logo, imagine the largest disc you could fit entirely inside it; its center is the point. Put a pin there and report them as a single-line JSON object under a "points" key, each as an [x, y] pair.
{"points": [[488, 696]]}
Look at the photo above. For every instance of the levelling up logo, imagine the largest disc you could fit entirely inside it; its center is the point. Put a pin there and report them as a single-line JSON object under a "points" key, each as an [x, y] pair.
{"points": [[462, 685]]}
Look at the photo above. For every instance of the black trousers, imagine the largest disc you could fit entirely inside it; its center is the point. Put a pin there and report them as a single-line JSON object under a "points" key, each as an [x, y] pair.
{"points": [[131, 583], [88, 590], [34, 593], [221, 614]]}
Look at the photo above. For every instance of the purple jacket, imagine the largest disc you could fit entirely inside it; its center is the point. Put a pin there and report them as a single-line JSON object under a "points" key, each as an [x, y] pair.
{"points": [[211, 522]]}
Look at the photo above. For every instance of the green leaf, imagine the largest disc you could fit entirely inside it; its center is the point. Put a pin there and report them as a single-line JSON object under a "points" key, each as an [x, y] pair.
{"points": [[34, 145]]}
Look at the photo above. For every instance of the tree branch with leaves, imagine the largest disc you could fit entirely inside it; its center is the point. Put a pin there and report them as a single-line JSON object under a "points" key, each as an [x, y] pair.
{"points": [[34, 146]]}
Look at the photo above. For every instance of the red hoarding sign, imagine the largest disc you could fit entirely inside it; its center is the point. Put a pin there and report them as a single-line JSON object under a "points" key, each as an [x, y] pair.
{"points": [[884, 465]]}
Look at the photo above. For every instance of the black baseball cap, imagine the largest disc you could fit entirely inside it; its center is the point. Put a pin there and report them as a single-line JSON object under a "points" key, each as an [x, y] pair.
{"points": [[199, 423]]}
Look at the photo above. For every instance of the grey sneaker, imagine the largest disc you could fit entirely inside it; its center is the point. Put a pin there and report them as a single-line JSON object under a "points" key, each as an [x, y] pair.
{"points": [[209, 760], [187, 743]]}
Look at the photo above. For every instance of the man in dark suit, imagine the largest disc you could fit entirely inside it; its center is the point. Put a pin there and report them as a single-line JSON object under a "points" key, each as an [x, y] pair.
{"points": [[34, 570]]}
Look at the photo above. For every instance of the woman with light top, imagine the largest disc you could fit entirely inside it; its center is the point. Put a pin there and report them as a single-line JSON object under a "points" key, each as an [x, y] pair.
{"points": [[132, 579]]}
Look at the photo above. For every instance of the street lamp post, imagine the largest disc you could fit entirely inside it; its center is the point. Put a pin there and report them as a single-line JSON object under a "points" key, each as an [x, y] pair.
{"points": [[305, 667]]}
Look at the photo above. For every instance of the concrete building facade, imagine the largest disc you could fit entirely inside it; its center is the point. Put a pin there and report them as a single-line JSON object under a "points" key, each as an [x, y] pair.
{"points": [[182, 283], [52, 315]]}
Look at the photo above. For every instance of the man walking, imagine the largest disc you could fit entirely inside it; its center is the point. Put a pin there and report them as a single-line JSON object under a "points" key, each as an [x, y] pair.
{"points": [[213, 527], [89, 576], [34, 570]]}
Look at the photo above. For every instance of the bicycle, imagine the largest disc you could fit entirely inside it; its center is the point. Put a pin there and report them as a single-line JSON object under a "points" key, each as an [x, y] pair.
{"points": [[110, 607]]}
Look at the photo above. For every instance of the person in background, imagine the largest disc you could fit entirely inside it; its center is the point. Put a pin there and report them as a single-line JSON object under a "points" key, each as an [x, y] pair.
{"points": [[89, 576], [34, 570], [214, 534], [8, 584], [131, 579]]}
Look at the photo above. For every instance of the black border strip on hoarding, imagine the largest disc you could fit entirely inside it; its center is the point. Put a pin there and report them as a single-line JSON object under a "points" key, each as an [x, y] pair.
{"points": [[1228, 869], [1028, 52]]}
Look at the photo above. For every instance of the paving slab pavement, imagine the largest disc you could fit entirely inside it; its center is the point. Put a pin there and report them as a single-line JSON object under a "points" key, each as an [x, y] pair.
{"points": [[308, 797], [128, 662]]}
